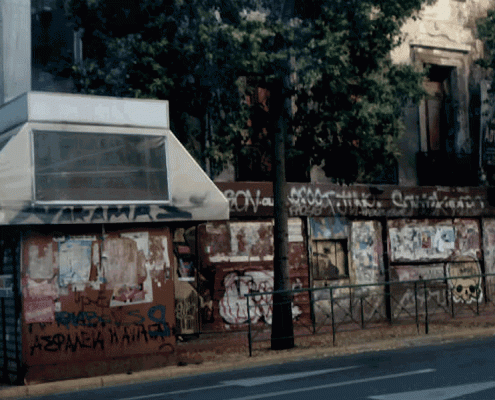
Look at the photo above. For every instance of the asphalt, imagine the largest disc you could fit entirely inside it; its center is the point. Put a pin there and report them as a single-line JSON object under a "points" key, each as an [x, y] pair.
{"points": [[214, 353]]}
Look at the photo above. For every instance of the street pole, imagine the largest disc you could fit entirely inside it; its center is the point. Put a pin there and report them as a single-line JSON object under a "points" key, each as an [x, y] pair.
{"points": [[282, 336]]}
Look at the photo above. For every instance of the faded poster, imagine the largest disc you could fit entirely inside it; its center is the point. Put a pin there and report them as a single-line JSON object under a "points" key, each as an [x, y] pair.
{"points": [[41, 261], [74, 261], [126, 269]]}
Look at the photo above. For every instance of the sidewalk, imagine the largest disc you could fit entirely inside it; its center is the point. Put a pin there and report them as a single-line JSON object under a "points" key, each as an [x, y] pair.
{"points": [[219, 352]]}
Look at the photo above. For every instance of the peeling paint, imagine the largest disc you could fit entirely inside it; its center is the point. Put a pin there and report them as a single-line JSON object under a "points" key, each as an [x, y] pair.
{"points": [[430, 240], [93, 317]]}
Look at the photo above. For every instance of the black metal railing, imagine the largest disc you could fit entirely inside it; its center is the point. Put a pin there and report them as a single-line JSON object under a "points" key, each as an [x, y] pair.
{"points": [[335, 309]]}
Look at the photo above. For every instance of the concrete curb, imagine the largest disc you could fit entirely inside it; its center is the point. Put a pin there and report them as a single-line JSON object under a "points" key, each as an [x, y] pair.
{"points": [[296, 354]]}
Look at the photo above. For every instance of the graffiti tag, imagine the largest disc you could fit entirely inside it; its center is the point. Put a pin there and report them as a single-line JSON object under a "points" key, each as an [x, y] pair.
{"points": [[99, 214], [432, 201], [243, 200], [314, 202]]}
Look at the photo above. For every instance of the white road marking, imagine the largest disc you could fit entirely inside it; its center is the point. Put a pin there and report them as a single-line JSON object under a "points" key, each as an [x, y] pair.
{"points": [[247, 382], [331, 385], [262, 380], [150, 396], [445, 393]]}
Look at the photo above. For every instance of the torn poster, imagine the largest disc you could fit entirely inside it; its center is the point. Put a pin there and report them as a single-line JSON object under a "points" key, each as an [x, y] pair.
{"points": [[74, 261]]}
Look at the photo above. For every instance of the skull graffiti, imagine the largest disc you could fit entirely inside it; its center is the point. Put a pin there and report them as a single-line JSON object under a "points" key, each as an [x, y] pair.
{"points": [[466, 290], [465, 287]]}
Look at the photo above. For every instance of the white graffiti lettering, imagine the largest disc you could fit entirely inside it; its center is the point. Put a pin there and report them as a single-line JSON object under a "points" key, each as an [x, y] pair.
{"points": [[233, 305], [432, 201], [313, 202], [243, 200]]}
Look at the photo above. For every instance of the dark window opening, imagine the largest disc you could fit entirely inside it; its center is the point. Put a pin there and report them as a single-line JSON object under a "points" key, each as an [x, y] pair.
{"points": [[330, 260]]}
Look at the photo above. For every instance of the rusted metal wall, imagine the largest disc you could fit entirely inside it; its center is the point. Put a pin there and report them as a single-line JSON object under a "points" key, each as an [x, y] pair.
{"points": [[237, 257], [96, 301]]}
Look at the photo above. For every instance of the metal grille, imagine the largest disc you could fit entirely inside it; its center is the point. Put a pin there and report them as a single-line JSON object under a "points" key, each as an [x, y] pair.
{"points": [[10, 304]]}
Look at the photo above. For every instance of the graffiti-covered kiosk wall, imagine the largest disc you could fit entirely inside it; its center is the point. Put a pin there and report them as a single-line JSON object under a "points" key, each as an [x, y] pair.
{"points": [[89, 190], [365, 235]]}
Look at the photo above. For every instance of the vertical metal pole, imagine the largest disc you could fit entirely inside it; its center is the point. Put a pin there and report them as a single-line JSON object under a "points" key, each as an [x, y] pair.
{"points": [[250, 338], [477, 303], [312, 305], [386, 266], [350, 304], [452, 302], [416, 304], [282, 325], [333, 318], [362, 313], [388, 299], [426, 307]]}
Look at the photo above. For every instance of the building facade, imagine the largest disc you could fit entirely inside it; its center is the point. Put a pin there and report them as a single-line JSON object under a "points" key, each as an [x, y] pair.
{"points": [[445, 139]]}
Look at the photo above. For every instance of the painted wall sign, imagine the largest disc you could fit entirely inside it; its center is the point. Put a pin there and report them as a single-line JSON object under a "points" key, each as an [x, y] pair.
{"points": [[319, 200]]}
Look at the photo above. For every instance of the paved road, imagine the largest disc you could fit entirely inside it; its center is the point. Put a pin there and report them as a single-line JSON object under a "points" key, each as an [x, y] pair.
{"points": [[463, 370]]}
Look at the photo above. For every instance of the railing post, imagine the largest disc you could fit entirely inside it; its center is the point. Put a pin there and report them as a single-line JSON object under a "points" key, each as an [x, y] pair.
{"points": [[250, 339], [452, 301], [312, 310], [350, 305], [416, 304], [426, 307], [362, 312], [333, 318], [388, 299], [478, 291]]}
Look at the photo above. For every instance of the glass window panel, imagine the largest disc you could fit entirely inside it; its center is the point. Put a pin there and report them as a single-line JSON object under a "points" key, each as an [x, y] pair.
{"points": [[98, 167]]}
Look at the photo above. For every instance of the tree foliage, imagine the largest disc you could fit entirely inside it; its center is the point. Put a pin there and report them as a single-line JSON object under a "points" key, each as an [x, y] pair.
{"points": [[218, 62]]}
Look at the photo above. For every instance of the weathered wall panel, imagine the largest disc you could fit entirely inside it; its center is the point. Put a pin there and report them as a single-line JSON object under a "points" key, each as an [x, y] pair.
{"points": [[238, 259], [362, 241], [367, 252], [432, 240], [98, 299], [430, 249], [488, 226]]}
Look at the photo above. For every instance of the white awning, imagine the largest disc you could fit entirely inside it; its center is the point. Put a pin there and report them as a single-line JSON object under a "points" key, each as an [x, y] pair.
{"points": [[91, 159]]}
